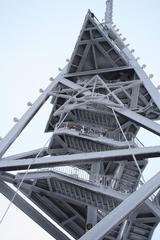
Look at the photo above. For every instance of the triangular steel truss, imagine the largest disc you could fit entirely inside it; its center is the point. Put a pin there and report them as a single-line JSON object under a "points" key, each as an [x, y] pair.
{"points": [[88, 179]]}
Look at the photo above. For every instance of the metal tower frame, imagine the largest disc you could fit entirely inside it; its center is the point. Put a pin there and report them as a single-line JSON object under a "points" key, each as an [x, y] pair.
{"points": [[89, 177]]}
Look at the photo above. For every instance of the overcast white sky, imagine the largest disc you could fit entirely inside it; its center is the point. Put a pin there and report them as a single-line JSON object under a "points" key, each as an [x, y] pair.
{"points": [[36, 37]]}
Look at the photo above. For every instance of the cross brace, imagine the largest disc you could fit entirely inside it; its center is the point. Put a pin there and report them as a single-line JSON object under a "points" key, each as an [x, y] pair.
{"points": [[31, 212], [123, 210]]}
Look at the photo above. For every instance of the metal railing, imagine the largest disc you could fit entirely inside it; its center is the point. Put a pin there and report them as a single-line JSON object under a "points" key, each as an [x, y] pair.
{"points": [[87, 131], [97, 179], [100, 180], [119, 185]]}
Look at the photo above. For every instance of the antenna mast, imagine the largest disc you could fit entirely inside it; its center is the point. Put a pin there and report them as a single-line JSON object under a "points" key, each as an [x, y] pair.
{"points": [[109, 12]]}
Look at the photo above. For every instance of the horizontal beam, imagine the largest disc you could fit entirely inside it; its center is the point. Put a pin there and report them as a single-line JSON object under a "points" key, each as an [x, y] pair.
{"points": [[94, 40], [81, 158], [120, 213], [31, 212], [98, 71]]}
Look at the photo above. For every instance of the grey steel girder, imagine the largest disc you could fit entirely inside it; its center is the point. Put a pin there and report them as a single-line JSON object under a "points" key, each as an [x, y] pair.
{"points": [[83, 158], [141, 73], [135, 117], [27, 117], [123, 210], [140, 120], [40, 152], [37, 190], [98, 71], [31, 212]]}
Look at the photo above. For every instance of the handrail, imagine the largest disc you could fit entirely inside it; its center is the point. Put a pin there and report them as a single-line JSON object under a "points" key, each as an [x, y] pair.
{"points": [[103, 180], [85, 130], [97, 179]]}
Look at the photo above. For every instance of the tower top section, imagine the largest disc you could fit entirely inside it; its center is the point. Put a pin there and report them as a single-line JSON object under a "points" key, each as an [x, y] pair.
{"points": [[109, 12]]}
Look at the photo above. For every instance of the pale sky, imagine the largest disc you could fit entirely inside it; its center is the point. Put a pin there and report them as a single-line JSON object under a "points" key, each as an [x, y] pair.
{"points": [[36, 37]]}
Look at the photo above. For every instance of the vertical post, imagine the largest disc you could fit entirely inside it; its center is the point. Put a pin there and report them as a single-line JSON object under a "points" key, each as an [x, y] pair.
{"points": [[92, 211]]}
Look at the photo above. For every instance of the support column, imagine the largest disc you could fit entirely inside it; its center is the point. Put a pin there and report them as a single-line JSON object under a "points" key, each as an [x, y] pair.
{"points": [[92, 211]]}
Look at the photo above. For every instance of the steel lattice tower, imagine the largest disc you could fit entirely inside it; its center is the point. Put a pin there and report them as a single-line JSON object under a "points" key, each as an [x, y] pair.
{"points": [[89, 178]]}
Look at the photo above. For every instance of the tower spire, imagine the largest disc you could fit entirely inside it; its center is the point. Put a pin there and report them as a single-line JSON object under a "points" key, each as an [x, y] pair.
{"points": [[109, 12]]}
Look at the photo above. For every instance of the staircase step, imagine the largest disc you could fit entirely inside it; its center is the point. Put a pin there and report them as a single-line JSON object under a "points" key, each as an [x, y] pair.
{"points": [[134, 236]]}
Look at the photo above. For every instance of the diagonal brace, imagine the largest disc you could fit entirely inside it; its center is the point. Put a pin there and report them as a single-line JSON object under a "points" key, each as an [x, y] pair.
{"points": [[31, 212], [28, 116], [123, 210]]}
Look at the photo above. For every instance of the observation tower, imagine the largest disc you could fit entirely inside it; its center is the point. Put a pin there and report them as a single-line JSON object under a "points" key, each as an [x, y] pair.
{"points": [[89, 177]]}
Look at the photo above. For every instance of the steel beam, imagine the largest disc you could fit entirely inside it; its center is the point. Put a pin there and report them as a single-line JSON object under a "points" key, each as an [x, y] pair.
{"points": [[120, 213], [7, 177], [75, 86], [135, 117], [98, 71], [140, 120], [41, 152], [83, 158], [31, 212], [141, 73], [28, 116], [154, 208]]}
